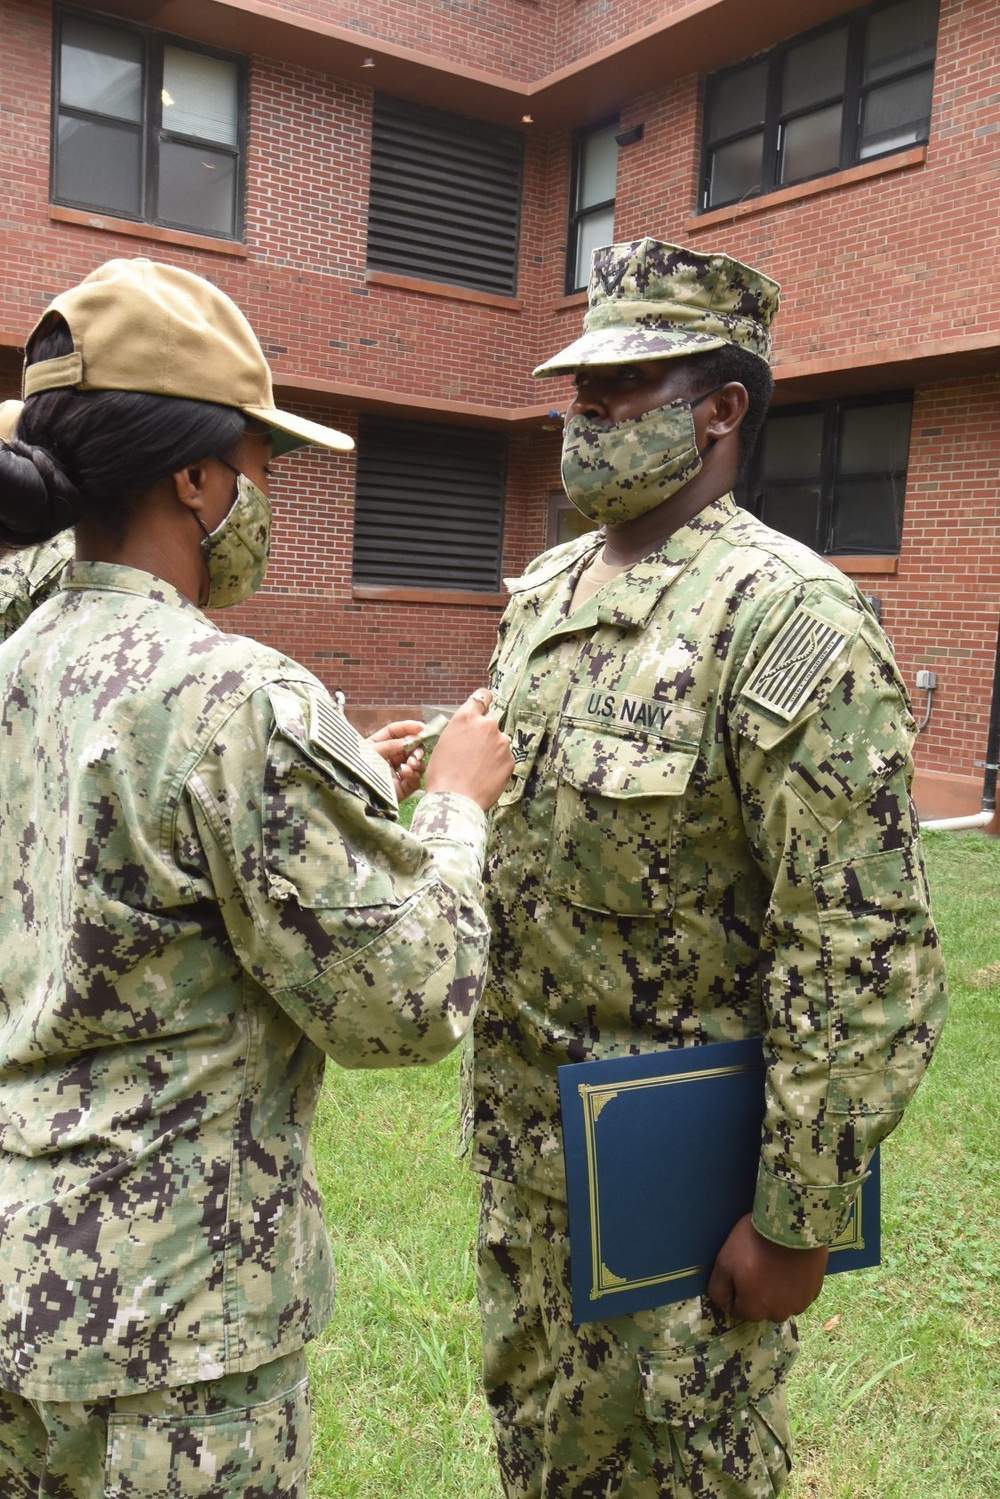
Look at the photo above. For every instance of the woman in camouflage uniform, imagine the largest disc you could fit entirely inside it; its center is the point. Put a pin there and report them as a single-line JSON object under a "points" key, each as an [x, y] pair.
{"points": [[207, 892]]}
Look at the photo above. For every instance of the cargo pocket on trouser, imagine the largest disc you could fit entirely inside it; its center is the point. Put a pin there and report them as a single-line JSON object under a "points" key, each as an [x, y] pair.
{"points": [[257, 1449], [722, 1411]]}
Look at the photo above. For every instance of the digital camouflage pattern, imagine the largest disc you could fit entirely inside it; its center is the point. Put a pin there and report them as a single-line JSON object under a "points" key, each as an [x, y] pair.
{"points": [[246, 1435], [616, 471], [651, 300], [708, 835], [676, 1401], [208, 891], [29, 577]]}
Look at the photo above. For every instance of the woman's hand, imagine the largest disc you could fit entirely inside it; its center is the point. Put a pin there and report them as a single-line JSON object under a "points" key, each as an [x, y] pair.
{"points": [[394, 742], [472, 756]]}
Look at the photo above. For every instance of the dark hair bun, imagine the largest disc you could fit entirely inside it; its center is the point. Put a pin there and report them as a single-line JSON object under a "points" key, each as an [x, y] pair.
{"points": [[37, 500]]}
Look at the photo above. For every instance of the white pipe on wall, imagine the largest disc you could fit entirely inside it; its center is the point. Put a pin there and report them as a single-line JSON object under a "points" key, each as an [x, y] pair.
{"points": [[947, 824]]}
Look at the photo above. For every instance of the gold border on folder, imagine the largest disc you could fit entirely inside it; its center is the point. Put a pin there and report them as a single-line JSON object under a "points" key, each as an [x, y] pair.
{"points": [[594, 1098]]}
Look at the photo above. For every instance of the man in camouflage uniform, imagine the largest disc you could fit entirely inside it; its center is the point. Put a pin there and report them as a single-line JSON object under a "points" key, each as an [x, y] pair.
{"points": [[27, 577], [207, 891], [708, 836]]}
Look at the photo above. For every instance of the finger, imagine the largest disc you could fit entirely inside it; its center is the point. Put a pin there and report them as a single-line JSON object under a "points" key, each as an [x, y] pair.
{"points": [[722, 1290], [400, 752], [483, 696], [401, 728]]}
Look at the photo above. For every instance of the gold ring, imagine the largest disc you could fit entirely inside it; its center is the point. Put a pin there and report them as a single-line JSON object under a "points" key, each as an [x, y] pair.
{"points": [[480, 697]]}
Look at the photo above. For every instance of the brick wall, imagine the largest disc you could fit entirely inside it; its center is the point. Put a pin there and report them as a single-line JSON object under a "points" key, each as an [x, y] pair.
{"points": [[900, 259], [513, 38], [398, 656], [870, 266], [942, 608]]}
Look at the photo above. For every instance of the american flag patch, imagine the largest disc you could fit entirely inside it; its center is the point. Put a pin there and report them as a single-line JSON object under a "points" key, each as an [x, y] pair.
{"points": [[793, 663], [330, 730]]}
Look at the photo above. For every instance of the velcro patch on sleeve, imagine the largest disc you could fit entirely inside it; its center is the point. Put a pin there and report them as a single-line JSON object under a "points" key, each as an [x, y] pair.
{"points": [[329, 729], [793, 663]]}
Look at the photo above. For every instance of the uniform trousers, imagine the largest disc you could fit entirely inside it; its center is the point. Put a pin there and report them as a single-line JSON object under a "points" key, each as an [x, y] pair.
{"points": [[245, 1436], [665, 1404]]}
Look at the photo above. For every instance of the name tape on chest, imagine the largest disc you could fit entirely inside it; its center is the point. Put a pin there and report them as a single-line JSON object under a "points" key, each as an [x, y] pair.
{"points": [[627, 711], [793, 663], [329, 729]]}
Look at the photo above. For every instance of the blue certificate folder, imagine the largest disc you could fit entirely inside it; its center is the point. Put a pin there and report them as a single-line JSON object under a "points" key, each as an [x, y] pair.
{"points": [[661, 1161]]}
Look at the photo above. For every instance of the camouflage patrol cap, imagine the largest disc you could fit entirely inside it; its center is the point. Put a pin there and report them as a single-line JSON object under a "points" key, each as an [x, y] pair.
{"points": [[156, 329], [650, 300], [9, 413]]}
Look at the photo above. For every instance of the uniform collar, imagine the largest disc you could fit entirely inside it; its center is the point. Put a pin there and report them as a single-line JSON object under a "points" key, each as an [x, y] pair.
{"points": [[562, 560], [115, 577], [631, 598]]}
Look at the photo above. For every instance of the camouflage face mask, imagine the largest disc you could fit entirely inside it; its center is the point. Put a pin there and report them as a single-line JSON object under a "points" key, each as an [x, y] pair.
{"points": [[616, 471], [236, 552]]}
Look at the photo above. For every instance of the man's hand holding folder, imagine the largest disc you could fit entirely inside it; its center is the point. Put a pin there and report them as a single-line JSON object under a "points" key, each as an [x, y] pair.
{"points": [[650, 1225], [755, 1279]]}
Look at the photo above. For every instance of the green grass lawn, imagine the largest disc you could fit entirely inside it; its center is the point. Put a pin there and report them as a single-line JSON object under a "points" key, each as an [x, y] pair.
{"points": [[894, 1395]]}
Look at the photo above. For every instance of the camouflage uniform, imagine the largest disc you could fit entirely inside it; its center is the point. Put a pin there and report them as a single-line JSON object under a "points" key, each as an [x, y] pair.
{"points": [[708, 836], [29, 577], [243, 1435], [207, 891]]}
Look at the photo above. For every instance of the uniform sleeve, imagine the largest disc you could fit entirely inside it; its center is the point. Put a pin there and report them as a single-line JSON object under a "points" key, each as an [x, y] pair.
{"points": [[372, 938], [28, 577], [851, 968]]}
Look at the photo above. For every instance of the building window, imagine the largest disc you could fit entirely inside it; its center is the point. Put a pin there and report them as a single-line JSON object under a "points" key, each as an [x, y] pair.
{"points": [[147, 127], [563, 522], [846, 93], [834, 475], [429, 505], [445, 197], [592, 216]]}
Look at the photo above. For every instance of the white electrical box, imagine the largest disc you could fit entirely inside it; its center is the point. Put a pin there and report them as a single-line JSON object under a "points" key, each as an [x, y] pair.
{"points": [[927, 680]]}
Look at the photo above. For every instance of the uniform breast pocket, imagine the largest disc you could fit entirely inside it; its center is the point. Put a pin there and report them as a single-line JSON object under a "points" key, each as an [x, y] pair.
{"points": [[619, 807]]}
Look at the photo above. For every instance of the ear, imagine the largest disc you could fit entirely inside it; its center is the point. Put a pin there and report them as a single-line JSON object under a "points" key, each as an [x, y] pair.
{"points": [[189, 485], [725, 411]]}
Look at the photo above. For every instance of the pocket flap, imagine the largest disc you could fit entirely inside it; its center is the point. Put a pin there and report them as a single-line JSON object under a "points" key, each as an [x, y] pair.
{"points": [[689, 1389], [614, 765]]}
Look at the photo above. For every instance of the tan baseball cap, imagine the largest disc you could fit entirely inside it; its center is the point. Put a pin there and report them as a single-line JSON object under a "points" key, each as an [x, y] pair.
{"points": [[141, 326], [9, 413], [652, 300]]}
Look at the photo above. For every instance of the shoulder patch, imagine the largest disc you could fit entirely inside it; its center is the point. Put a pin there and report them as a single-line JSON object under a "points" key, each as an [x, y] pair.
{"points": [[793, 663], [330, 731]]}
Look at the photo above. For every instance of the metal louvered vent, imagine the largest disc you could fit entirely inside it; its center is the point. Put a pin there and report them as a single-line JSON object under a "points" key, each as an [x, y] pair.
{"points": [[429, 505], [445, 197]]}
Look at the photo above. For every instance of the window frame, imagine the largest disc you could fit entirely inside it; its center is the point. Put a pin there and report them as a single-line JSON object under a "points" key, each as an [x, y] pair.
{"points": [[750, 488], [852, 98], [151, 129], [557, 505], [579, 215]]}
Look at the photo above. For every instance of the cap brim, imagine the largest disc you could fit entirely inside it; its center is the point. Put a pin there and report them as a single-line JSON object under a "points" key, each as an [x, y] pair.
{"points": [[629, 346], [291, 432]]}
